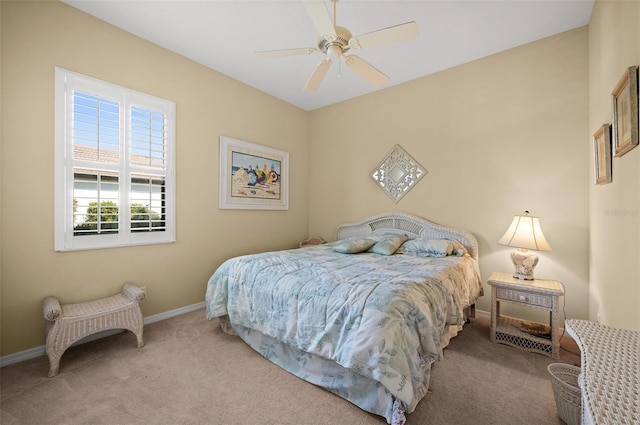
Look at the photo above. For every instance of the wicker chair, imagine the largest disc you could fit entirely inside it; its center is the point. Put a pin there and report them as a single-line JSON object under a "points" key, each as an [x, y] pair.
{"points": [[69, 323]]}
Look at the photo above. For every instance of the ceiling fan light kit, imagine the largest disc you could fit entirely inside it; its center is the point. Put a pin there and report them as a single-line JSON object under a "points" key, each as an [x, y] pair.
{"points": [[334, 41]]}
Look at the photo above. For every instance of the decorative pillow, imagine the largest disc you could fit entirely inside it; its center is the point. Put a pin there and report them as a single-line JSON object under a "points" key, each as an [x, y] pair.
{"points": [[353, 245], [458, 249], [389, 244], [428, 247]]}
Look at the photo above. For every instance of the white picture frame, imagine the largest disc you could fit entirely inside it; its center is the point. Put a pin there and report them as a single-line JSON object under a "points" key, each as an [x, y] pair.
{"points": [[252, 176]]}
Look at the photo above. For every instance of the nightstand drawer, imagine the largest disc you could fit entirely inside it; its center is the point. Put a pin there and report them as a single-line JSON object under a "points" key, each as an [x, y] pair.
{"points": [[524, 297]]}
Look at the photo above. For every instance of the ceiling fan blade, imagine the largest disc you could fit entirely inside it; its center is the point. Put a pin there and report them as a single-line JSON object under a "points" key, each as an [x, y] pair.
{"points": [[285, 52], [321, 19], [403, 32], [318, 74], [366, 70]]}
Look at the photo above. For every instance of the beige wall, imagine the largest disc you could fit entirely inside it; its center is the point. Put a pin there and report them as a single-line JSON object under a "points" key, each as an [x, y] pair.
{"points": [[38, 36], [614, 45], [498, 136]]}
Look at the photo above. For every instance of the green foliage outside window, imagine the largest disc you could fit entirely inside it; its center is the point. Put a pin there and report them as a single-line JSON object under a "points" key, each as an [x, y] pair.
{"points": [[142, 218]]}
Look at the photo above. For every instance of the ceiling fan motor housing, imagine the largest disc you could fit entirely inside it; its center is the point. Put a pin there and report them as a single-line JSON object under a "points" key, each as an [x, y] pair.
{"points": [[341, 41]]}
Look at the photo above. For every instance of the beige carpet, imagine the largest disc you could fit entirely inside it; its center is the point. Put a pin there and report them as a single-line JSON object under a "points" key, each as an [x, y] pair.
{"points": [[190, 372]]}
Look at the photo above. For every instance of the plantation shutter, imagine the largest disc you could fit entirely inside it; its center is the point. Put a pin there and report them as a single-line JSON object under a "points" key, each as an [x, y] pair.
{"points": [[147, 159], [96, 158], [115, 183]]}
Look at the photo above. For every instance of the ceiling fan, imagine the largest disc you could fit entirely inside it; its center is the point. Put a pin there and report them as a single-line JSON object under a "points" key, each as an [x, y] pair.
{"points": [[335, 41]]}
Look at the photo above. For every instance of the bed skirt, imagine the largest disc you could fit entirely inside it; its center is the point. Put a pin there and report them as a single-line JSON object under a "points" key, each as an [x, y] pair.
{"points": [[366, 393]]}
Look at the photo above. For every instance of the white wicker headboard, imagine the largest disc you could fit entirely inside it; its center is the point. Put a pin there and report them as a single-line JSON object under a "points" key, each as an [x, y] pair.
{"points": [[406, 224]]}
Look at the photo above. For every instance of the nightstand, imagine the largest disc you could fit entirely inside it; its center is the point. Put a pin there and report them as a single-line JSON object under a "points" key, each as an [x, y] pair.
{"points": [[538, 293]]}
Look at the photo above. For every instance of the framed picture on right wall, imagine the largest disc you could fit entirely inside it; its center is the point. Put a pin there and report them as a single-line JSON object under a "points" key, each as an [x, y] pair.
{"points": [[625, 112], [602, 154]]}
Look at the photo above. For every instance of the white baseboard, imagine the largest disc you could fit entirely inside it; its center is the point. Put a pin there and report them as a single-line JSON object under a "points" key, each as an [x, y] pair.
{"points": [[40, 351], [483, 314], [32, 353], [173, 313]]}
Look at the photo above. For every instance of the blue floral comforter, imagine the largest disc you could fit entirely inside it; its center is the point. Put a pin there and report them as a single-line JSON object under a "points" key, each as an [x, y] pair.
{"points": [[380, 316]]}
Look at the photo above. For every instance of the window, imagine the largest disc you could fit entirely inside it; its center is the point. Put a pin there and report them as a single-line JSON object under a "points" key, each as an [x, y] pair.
{"points": [[114, 170]]}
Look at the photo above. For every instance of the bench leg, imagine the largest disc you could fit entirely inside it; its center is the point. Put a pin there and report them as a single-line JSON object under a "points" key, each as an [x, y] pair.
{"points": [[54, 366], [139, 337], [54, 349], [139, 327]]}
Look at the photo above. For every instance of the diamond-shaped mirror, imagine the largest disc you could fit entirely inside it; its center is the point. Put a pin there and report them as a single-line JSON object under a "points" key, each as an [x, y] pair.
{"points": [[398, 173]]}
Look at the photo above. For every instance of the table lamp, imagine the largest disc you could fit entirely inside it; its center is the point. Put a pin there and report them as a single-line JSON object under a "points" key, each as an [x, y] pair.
{"points": [[524, 234]]}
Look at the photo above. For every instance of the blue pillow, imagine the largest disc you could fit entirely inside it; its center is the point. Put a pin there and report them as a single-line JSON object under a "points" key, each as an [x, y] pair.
{"points": [[389, 244], [427, 247], [353, 245]]}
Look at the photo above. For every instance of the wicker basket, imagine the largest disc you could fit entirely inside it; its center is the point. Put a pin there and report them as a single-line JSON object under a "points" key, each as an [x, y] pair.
{"points": [[564, 380]]}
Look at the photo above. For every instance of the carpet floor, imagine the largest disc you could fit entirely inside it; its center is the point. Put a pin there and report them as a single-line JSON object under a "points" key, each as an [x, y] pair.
{"points": [[190, 372]]}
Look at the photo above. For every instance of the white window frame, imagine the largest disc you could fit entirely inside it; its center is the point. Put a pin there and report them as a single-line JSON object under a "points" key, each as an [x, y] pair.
{"points": [[64, 240]]}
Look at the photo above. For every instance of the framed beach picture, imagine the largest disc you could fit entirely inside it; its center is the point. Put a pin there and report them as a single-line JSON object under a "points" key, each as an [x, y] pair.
{"points": [[253, 176], [602, 154], [625, 112]]}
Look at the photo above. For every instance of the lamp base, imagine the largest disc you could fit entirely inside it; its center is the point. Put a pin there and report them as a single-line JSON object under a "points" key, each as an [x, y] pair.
{"points": [[525, 262]]}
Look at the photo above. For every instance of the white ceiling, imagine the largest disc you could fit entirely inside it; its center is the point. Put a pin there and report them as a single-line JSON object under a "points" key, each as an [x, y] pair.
{"points": [[223, 34]]}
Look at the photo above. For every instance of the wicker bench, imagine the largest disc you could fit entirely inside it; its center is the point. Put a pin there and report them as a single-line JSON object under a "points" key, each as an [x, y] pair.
{"points": [[610, 378], [72, 322]]}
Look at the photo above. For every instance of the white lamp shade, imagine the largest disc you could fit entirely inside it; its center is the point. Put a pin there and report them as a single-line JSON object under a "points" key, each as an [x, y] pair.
{"points": [[525, 232]]}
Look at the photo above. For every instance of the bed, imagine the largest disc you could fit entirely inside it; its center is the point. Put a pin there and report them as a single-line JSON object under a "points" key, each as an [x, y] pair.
{"points": [[364, 316]]}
